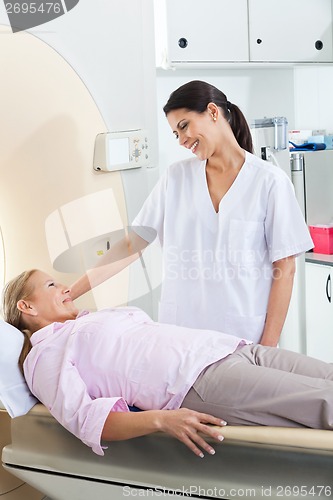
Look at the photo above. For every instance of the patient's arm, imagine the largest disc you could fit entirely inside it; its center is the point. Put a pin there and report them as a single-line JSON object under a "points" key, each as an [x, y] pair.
{"points": [[120, 255], [58, 384], [183, 424]]}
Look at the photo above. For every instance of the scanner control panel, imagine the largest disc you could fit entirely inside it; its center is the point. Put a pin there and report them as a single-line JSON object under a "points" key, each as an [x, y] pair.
{"points": [[121, 150]]}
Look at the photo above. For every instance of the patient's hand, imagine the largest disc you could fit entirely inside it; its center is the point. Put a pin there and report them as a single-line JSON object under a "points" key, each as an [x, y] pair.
{"points": [[185, 425]]}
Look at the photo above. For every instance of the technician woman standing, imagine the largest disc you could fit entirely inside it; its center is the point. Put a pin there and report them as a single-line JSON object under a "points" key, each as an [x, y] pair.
{"points": [[229, 224]]}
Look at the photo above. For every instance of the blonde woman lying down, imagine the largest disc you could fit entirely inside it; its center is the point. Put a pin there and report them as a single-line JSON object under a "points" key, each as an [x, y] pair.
{"points": [[86, 368]]}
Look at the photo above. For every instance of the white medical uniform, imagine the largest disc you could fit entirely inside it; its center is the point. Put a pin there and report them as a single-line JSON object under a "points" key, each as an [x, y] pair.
{"points": [[218, 266]]}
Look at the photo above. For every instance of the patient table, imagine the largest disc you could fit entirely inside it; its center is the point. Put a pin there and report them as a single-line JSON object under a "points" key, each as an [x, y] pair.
{"points": [[257, 462]]}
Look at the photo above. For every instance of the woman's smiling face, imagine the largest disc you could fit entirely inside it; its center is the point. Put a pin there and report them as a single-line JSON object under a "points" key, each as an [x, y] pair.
{"points": [[50, 301], [195, 131]]}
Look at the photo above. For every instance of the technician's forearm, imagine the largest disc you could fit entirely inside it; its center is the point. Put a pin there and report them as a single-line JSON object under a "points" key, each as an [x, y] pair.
{"points": [[279, 299]]}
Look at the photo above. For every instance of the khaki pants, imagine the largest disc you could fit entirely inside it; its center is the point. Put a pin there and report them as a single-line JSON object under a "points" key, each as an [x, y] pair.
{"points": [[258, 385]]}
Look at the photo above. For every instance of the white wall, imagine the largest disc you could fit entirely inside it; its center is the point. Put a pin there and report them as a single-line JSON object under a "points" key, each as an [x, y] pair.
{"points": [[314, 97]]}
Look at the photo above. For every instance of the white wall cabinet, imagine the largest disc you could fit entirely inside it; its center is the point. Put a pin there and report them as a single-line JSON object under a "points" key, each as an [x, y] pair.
{"points": [[285, 31], [206, 31], [280, 31], [319, 311]]}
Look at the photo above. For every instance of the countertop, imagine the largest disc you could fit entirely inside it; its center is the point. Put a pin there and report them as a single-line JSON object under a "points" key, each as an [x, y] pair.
{"points": [[319, 258]]}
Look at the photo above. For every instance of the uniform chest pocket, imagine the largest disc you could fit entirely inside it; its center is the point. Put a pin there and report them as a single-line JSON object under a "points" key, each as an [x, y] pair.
{"points": [[246, 243]]}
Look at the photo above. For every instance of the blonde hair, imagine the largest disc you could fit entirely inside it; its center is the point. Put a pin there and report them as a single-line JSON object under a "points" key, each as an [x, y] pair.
{"points": [[17, 289]]}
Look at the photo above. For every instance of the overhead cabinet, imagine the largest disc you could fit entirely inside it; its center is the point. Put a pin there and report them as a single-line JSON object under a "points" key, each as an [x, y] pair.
{"points": [[205, 31], [285, 31], [215, 31]]}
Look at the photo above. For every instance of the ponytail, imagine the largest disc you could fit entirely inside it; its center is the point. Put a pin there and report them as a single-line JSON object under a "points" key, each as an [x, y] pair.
{"points": [[240, 128]]}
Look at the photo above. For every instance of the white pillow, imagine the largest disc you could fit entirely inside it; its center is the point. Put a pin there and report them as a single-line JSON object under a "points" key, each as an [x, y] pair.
{"points": [[15, 395]]}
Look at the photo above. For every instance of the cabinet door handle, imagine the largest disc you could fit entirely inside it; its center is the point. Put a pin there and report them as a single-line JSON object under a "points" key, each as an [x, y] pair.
{"points": [[328, 288]]}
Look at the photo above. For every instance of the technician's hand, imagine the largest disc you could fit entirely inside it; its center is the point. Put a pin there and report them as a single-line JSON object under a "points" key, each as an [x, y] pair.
{"points": [[185, 425]]}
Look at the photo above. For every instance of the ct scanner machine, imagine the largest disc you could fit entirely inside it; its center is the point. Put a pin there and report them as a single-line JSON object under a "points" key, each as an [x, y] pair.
{"points": [[87, 74]]}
